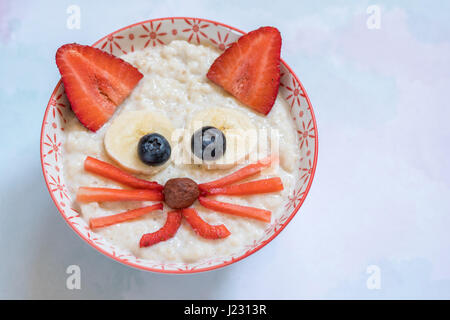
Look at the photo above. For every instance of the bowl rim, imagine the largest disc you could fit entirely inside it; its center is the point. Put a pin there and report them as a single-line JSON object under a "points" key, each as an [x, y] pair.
{"points": [[203, 269]]}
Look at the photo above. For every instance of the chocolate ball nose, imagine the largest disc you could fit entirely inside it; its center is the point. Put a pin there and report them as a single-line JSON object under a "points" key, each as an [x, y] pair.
{"points": [[180, 193]]}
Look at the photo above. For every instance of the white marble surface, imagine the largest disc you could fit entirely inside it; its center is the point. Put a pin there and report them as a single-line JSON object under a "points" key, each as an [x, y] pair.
{"points": [[380, 195]]}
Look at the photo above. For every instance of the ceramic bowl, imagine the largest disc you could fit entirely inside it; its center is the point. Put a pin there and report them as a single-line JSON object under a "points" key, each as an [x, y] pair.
{"points": [[158, 32]]}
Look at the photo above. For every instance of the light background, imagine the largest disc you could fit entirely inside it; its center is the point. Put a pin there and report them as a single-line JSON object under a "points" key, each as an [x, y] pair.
{"points": [[380, 195]]}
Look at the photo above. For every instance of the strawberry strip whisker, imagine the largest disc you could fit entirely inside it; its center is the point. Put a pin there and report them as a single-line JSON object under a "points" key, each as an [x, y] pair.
{"points": [[248, 188], [105, 221], [111, 172], [169, 229], [235, 209], [239, 175], [202, 228], [88, 194]]}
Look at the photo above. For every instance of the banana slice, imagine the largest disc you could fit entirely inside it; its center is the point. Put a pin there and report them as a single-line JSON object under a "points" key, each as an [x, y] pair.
{"points": [[240, 134], [122, 138]]}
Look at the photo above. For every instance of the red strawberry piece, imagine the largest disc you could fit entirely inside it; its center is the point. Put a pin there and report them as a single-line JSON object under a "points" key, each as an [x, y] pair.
{"points": [[109, 171], [92, 194], [105, 221], [241, 174], [252, 187], [250, 69], [236, 209], [169, 229], [95, 82], [202, 228]]}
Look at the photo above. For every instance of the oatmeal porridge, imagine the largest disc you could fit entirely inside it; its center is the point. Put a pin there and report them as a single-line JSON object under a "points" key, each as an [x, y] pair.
{"points": [[175, 90]]}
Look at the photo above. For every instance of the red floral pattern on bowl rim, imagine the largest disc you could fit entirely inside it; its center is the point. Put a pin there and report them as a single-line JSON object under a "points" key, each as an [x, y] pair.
{"points": [[157, 32]]}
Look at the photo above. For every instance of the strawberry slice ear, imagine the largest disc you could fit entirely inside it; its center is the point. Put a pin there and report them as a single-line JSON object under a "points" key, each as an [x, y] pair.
{"points": [[250, 69], [95, 82]]}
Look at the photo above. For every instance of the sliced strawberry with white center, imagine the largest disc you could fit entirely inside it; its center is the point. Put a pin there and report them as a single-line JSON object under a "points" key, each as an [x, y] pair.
{"points": [[250, 69], [95, 82]]}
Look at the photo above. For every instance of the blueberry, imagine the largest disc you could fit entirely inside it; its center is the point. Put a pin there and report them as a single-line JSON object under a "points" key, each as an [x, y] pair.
{"points": [[153, 149], [208, 143]]}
